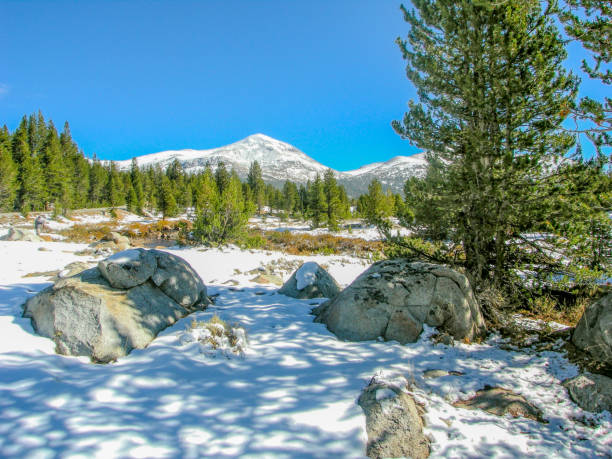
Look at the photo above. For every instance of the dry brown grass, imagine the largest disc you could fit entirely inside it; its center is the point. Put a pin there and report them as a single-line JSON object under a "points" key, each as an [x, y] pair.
{"points": [[547, 309], [86, 233], [307, 244]]}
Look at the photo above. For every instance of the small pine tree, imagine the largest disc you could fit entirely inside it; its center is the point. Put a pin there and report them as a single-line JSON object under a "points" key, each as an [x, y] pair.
{"points": [[139, 195], [257, 185], [166, 203], [332, 200], [222, 218], [316, 202], [377, 205]]}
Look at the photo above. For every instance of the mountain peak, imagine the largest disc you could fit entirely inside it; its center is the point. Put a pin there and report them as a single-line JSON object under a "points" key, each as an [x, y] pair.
{"points": [[281, 161], [259, 137]]}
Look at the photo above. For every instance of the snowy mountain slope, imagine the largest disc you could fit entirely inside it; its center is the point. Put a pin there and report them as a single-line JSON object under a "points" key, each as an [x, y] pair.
{"points": [[391, 174], [281, 161]]}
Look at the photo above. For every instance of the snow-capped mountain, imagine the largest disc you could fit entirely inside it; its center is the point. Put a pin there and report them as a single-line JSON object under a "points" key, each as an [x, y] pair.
{"points": [[281, 161], [391, 174]]}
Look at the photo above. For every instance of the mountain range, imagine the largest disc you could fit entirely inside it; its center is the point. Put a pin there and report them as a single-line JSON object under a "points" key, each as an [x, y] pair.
{"points": [[281, 161]]}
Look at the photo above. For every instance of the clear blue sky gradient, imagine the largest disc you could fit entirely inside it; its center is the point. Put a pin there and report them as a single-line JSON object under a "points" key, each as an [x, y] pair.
{"points": [[137, 77]]}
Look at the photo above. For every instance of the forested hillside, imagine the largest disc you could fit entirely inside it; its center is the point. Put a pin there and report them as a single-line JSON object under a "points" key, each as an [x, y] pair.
{"points": [[41, 169]]}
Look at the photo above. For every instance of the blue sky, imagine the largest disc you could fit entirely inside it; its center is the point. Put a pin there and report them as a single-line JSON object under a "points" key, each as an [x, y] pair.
{"points": [[137, 77]]}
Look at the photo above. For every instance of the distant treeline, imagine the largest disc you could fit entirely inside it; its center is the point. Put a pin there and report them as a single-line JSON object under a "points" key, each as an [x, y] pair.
{"points": [[43, 170]]}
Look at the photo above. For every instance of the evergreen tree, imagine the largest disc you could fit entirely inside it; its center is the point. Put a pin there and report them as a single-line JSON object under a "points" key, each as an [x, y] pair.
{"points": [[225, 218], [290, 197], [167, 203], [588, 21], [256, 183], [98, 178], [377, 205], [30, 195], [8, 179], [8, 172], [55, 172], [332, 200], [205, 192], [37, 133], [5, 137], [139, 196], [492, 96], [77, 168], [345, 205], [316, 202], [176, 175], [114, 192], [222, 177]]}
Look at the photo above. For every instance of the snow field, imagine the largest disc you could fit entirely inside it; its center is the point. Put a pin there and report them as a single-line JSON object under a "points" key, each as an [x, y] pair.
{"points": [[292, 395]]}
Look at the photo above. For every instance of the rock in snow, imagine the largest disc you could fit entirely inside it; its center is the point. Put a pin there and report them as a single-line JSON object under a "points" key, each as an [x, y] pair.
{"points": [[310, 281], [500, 402], [122, 304], [393, 421], [394, 298], [593, 333], [19, 234], [591, 392]]}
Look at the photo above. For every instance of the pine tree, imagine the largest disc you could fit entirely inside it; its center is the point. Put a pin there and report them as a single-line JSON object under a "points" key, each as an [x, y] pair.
{"points": [[316, 202], [137, 186], [37, 133], [8, 172], [8, 179], [167, 203], [176, 175], [588, 21], [256, 183], [114, 192], [30, 194], [98, 178], [332, 200], [77, 168], [55, 172], [5, 137], [224, 217], [205, 192], [377, 205], [222, 177], [492, 94], [290, 196]]}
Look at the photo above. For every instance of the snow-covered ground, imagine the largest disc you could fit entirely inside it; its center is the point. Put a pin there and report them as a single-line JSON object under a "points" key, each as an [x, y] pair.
{"points": [[292, 394], [350, 229]]}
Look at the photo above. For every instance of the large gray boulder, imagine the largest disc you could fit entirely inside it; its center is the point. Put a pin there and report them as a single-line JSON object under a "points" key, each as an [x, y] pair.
{"points": [[310, 281], [177, 279], [591, 392], [593, 333], [20, 234], [394, 298], [86, 315], [393, 422]]}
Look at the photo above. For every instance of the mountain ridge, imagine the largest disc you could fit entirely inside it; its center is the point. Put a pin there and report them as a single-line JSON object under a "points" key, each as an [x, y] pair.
{"points": [[281, 161]]}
